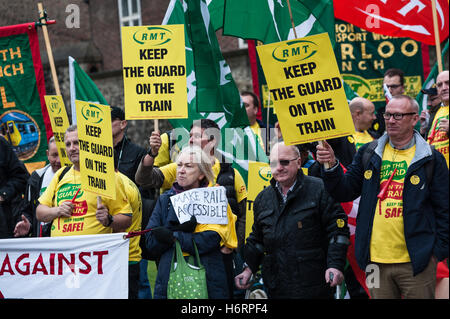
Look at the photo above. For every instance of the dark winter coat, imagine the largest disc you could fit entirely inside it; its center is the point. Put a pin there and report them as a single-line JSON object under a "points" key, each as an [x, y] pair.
{"points": [[292, 241], [13, 181]]}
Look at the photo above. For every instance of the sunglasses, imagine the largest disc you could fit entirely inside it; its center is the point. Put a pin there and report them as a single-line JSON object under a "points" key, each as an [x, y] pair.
{"points": [[282, 162]]}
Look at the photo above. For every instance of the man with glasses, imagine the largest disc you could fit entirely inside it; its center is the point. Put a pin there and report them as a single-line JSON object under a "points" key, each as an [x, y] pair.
{"points": [[394, 81], [299, 235], [402, 225]]}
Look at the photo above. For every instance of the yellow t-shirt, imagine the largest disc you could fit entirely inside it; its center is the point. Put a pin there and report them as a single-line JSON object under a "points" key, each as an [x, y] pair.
{"points": [[439, 138], [170, 175], [388, 243], [227, 232], [134, 198], [83, 220], [163, 157], [362, 138]]}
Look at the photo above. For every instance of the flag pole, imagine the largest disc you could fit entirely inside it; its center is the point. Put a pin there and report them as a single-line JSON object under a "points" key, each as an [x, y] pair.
{"points": [[292, 19], [49, 49], [436, 36], [326, 165]]}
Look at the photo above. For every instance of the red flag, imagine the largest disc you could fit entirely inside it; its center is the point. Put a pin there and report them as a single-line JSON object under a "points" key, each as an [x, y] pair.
{"points": [[411, 18]]}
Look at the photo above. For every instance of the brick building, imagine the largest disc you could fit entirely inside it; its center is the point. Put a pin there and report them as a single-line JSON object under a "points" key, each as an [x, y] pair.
{"points": [[89, 31]]}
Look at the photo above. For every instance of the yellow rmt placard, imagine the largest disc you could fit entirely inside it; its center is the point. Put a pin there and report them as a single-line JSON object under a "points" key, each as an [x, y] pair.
{"points": [[259, 176], [96, 148], [60, 122], [306, 88], [154, 72]]}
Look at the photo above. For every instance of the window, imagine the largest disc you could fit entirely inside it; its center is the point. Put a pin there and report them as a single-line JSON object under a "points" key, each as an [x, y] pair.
{"points": [[130, 12]]}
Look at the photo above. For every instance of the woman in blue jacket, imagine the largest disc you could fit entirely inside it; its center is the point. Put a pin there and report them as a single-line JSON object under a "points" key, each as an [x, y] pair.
{"points": [[194, 170]]}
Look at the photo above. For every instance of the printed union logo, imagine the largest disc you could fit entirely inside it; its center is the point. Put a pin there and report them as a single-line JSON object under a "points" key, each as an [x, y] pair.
{"points": [[92, 113], [153, 36], [265, 173], [358, 84], [295, 50], [54, 106]]}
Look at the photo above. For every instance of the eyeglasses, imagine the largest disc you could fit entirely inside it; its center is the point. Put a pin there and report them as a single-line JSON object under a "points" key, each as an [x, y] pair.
{"points": [[282, 162], [393, 86], [396, 116]]}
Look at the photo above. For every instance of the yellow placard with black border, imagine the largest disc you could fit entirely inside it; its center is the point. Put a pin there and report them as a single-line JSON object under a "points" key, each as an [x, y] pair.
{"points": [[60, 122], [96, 148], [307, 89], [154, 72], [259, 176]]}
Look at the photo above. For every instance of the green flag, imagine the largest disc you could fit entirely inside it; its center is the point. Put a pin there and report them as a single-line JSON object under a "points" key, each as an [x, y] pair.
{"points": [[216, 87], [216, 8], [238, 145], [349, 93], [82, 88], [269, 20]]}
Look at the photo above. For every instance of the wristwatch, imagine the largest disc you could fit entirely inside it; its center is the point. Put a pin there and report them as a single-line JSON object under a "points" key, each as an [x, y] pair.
{"points": [[149, 152], [110, 220]]}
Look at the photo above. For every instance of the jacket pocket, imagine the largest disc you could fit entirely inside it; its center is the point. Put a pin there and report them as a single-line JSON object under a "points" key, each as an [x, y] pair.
{"points": [[306, 228]]}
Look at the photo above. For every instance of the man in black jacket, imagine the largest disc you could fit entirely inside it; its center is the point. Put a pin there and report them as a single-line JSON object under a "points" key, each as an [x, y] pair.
{"points": [[300, 235], [13, 180]]}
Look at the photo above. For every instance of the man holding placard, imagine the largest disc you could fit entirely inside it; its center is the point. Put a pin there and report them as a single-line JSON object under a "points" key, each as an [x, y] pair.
{"points": [[75, 211], [402, 225]]}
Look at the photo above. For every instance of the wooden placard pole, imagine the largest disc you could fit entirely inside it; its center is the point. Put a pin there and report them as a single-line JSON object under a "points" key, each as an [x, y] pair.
{"points": [[326, 165], [49, 50], [436, 36]]}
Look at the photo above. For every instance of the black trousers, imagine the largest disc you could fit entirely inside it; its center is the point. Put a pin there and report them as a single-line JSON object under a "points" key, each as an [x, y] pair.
{"points": [[133, 281]]}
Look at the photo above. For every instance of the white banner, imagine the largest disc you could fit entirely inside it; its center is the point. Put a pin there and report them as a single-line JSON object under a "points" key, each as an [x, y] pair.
{"points": [[207, 204], [75, 267]]}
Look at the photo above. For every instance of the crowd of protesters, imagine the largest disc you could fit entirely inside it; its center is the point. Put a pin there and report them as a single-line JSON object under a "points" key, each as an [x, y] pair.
{"points": [[300, 235]]}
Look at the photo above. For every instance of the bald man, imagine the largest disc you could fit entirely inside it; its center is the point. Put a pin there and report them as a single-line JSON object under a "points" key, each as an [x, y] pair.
{"points": [[363, 115], [438, 134]]}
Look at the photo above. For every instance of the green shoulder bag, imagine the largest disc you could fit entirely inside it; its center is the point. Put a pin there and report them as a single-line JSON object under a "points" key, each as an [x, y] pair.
{"points": [[187, 280]]}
